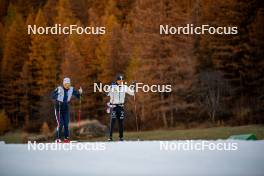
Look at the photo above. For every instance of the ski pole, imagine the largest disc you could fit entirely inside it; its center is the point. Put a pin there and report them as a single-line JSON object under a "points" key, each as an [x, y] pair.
{"points": [[79, 112], [55, 112], [59, 113], [110, 105], [135, 107], [57, 118], [110, 120]]}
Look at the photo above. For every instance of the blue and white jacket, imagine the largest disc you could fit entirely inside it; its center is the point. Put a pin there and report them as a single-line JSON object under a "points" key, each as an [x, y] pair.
{"points": [[64, 97]]}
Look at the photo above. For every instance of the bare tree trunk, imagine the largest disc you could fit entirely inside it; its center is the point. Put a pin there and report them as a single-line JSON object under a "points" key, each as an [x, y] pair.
{"points": [[142, 117], [165, 123], [213, 116], [171, 111], [164, 119]]}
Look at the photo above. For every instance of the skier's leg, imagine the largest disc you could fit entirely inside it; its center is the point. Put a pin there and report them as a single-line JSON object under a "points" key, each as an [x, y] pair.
{"points": [[121, 127], [61, 119], [121, 122], [66, 121], [112, 123]]}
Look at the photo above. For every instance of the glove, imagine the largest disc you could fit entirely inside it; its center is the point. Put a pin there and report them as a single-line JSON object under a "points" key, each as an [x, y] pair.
{"points": [[133, 85], [59, 91], [80, 91]]}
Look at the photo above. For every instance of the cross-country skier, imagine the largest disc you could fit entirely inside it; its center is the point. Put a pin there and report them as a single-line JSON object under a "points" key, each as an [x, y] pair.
{"points": [[117, 99], [62, 96]]}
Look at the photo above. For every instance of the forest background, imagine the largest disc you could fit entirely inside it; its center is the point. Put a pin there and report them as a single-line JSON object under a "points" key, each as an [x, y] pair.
{"points": [[216, 79]]}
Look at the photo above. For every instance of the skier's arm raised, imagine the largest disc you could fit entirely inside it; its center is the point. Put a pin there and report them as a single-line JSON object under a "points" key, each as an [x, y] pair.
{"points": [[130, 91], [78, 93]]}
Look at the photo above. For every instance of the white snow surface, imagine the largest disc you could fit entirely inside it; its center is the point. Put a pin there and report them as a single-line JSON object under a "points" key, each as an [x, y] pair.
{"points": [[133, 158]]}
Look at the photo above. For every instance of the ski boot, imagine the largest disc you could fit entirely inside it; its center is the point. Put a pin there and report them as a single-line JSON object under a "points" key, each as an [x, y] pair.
{"points": [[66, 140], [110, 139], [58, 141]]}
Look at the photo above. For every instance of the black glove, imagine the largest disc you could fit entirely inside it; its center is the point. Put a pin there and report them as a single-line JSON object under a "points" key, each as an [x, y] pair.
{"points": [[133, 85]]}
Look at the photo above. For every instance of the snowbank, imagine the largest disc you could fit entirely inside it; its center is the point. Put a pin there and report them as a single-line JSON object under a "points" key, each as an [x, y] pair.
{"points": [[134, 158]]}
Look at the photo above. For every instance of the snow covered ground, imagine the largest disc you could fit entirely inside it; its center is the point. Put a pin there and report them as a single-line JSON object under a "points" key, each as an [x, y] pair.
{"points": [[134, 158]]}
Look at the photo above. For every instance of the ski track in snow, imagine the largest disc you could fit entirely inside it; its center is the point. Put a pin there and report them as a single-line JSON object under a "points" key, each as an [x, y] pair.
{"points": [[133, 158]]}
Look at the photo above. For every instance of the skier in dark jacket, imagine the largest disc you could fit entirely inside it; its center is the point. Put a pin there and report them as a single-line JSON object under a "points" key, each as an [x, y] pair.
{"points": [[62, 96]]}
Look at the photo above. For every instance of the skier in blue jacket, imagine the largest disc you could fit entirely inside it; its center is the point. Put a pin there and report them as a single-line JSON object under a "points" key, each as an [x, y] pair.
{"points": [[62, 96]]}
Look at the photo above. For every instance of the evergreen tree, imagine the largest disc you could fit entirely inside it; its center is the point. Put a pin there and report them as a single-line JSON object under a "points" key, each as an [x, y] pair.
{"points": [[40, 74], [15, 52]]}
